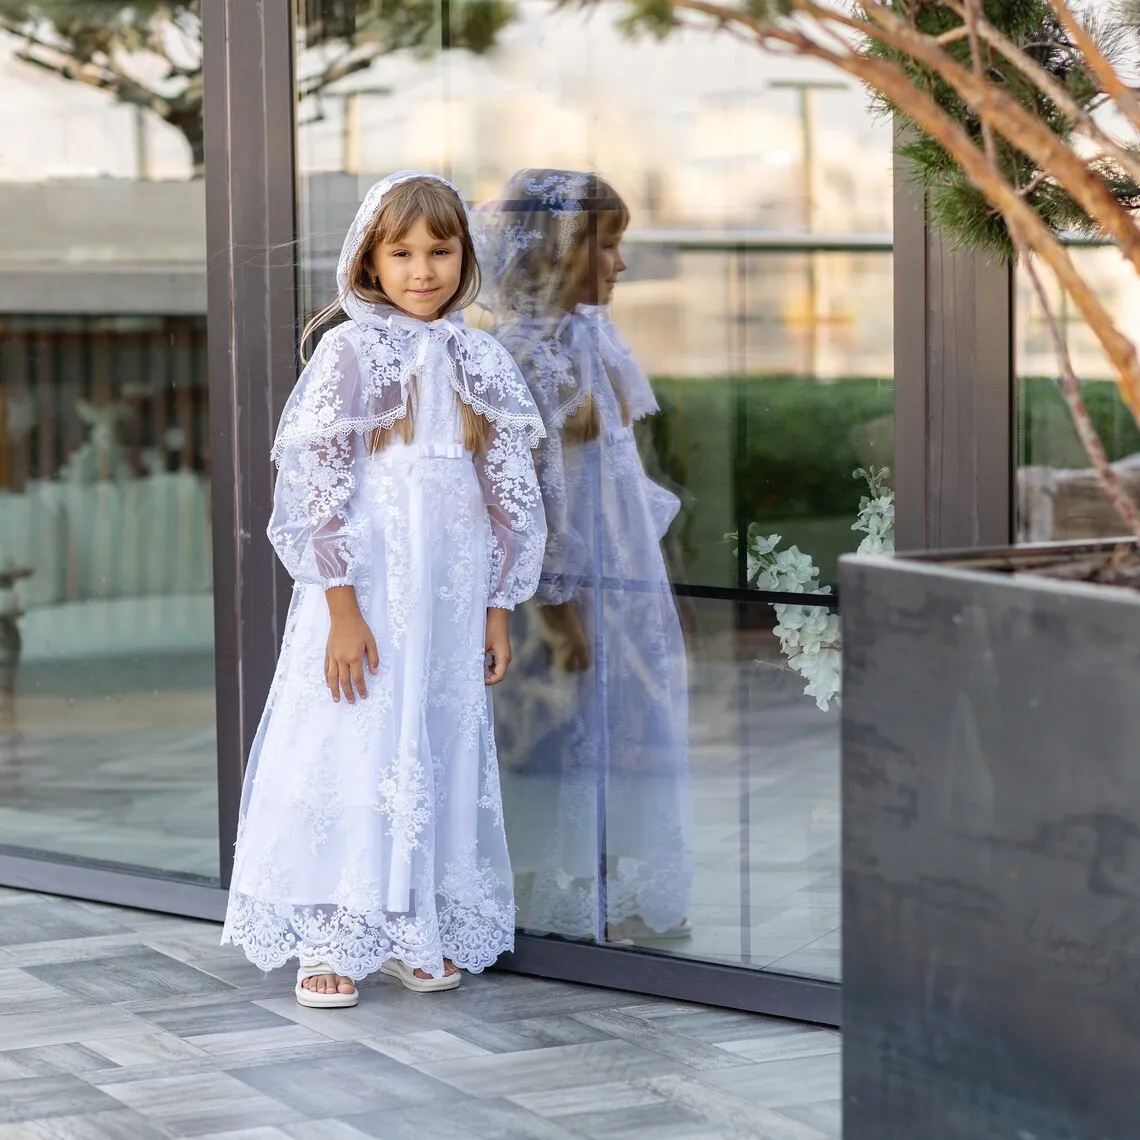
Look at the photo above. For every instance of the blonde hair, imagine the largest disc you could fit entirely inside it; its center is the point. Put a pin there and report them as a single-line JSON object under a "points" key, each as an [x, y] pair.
{"points": [[445, 216]]}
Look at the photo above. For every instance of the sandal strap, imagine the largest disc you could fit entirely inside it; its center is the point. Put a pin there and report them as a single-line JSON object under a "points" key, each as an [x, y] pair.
{"points": [[314, 969]]}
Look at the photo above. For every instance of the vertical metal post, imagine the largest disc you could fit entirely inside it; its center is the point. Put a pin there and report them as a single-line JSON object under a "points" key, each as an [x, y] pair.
{"points": [[251, 227], [955, 466]]}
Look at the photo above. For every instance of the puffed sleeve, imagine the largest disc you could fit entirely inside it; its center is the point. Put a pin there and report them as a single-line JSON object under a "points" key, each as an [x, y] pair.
{"points": [[518, 521], [317, 526]]}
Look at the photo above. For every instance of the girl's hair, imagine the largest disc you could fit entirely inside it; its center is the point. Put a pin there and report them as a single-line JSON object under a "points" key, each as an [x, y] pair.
{"points": [[545, 274], [445, 216], [555, 268]]}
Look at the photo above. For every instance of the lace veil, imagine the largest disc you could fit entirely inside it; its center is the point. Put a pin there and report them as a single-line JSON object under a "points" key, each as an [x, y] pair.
{"points": [[531, 242], [359, 380]]}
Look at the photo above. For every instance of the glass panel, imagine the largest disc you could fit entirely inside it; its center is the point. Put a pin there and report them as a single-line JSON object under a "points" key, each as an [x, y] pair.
{"points": [[1058, 497], [107, 727], [668, 785]]}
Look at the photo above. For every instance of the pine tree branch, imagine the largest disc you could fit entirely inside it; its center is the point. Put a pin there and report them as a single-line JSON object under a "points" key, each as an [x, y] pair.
{"points": [[1012, 121], [972, 15], [1049, 87], [1101, 68]]}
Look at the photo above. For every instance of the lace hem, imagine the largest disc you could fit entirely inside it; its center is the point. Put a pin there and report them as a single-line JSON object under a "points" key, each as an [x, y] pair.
{"points": [[338, 429], [357, 945]]}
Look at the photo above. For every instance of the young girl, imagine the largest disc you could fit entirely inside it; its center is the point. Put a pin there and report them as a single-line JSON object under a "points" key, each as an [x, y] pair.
{"points": [[596, 767], [408, 512]]}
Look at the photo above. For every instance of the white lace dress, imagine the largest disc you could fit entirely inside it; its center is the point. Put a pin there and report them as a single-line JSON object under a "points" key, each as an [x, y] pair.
{"points": [[596, 765], [375, 830]]}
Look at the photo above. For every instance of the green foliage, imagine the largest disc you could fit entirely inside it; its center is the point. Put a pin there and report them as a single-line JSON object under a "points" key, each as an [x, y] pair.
{"points": [[90, 29], [61, 35], [957, 209], [795, 441]]}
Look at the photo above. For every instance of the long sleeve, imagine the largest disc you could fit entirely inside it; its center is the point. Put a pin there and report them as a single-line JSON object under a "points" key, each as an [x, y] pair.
{"points": [[518, 521], [566, 555], [317, 528]]}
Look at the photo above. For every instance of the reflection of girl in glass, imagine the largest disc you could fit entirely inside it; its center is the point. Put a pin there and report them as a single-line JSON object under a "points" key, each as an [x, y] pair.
{"points": [[596, 720], [407, 509]]}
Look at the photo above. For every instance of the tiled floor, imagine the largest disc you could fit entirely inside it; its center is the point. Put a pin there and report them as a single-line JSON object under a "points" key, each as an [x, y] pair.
{"points": [[120, 1025]]}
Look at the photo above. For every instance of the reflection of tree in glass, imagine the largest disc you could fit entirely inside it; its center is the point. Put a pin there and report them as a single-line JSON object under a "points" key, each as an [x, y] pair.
{"points": [[149, 53]]}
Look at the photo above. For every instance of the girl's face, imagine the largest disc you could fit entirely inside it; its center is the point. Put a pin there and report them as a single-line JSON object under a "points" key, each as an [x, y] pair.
{"points": [[610, 262], [597, 287], [419, 273]]}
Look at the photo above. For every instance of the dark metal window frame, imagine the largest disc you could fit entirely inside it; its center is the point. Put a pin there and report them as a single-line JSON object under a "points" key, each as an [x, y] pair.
{"points": [[954, 472]]}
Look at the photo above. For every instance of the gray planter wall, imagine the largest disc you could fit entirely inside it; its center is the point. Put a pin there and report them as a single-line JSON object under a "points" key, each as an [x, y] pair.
{"points": [[991, 853]]}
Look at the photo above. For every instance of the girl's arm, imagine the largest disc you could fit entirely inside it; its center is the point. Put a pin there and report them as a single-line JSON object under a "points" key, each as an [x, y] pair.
{"points": [[316, 527]]}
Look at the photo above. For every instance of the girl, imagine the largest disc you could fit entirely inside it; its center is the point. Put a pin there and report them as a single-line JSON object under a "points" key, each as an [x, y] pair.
{"points": [[408, 512], [606, 697]]}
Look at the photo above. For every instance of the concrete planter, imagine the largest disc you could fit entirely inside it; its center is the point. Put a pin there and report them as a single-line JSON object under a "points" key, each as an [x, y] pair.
{"points": [[991, 852]]}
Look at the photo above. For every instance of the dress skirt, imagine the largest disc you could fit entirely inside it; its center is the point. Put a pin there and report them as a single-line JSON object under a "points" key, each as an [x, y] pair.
{"points": [[375, 830]]}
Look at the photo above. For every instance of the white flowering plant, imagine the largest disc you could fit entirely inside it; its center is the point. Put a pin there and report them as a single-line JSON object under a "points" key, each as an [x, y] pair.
{"points": [[809, 635]]}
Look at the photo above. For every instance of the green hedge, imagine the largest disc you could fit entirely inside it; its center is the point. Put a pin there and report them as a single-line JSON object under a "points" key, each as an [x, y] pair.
{"points": [[795, 441]]}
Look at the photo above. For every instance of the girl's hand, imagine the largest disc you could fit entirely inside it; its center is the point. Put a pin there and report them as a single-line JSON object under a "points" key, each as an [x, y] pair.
{"points": [[498, 646], [350, 643]]}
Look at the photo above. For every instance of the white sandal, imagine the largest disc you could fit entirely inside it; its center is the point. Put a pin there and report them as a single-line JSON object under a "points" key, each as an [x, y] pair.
{"points": [[406, 975], [314, 1000]]}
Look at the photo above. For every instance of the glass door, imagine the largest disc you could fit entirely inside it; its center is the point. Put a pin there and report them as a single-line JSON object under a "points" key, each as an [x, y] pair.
{"points": [[668, 736], [108, 748]]}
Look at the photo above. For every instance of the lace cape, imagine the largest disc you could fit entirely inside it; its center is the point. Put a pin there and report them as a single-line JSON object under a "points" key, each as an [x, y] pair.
{"points": [[391, 349], [569, 357]]}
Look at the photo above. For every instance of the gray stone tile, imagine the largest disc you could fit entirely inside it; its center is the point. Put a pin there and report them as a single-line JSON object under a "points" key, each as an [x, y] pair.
{"points": [[658, 1121], [473, 1120], [50, 1060], [20, 990], [773, 1084], [508, 997], [236, 970], [80, 949], [203, 1019], [614, 1096], [531, 1033], [382, 1012], [716, 1026], [145, 1049], [249, 1134], [323, 1130], [53, 1023], [52, 920], [224, 1061], [39, 1098], [668, 1042], [362, 1082], [574, 1061], [731, 1114], [241, 1043], [201, 1103], [420, 1048], [117, 1124], [27, 1130], [771, 1047], [126, 976], [824, 1115], [558, 1067]]}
